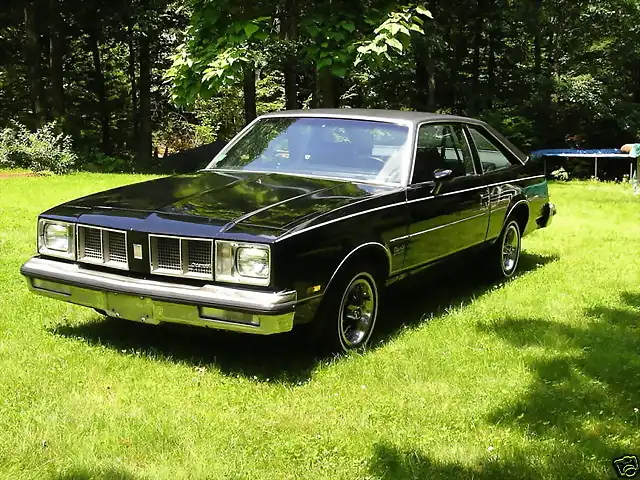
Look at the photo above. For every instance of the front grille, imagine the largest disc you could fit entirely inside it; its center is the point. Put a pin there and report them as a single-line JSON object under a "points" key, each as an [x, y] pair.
{"points": [[181, 256], [102, 246]]}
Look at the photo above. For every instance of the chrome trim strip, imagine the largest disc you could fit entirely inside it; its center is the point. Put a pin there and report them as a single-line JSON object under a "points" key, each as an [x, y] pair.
{"points": [[246, 216], [438, 122], [306, 175], [438, 227], [513, 207], [223, 153], [346, 217], [368, 244], [495, 139], [395, 191], [105, 249], [339, 115], [207, 295], [291, 234]]}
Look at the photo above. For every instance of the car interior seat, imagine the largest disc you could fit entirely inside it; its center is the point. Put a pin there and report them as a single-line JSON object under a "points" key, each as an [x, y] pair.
{"points": [[427, 161]]}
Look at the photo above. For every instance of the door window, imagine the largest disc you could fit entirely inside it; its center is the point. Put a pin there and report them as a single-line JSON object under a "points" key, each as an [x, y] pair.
{"points": [[491, 157], [442, 147]]}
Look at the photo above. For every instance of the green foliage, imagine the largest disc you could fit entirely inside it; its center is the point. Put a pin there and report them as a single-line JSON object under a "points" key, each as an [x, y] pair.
{"points": [[542, 72], [202, 67], [560, 174], [581, 92], [516, 127], [328, 43], [328, 40], [96, 161], [394, 34], [43, 150]]}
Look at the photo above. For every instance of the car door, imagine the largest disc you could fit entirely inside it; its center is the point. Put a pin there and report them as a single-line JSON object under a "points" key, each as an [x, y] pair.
{"points": [[450, 215]]}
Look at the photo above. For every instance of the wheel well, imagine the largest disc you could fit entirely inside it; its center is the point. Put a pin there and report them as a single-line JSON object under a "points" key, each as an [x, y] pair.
{"points": [[521, 215], [373, 256]]}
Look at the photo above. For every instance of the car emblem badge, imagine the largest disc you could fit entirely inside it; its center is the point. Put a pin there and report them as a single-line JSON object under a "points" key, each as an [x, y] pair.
{"points": [[137, 251]]}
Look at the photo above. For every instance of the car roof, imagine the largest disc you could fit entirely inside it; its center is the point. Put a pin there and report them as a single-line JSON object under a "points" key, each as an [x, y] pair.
{"points": [[398, 116], [409, 118]]}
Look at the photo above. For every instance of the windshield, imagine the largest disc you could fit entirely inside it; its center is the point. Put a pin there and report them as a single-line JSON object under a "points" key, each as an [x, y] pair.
{"points": [[357, 150]]}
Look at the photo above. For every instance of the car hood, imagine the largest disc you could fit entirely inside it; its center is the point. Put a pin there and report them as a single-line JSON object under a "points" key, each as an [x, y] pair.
{"points": [[265, 204]]}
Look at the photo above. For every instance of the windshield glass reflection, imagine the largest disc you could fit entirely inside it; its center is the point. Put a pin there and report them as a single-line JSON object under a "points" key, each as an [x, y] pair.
{"points": [[357, 150]]}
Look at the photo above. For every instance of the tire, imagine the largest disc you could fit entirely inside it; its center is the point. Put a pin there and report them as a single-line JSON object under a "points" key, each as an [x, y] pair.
{"points": [[347, 316], [506, 251]]}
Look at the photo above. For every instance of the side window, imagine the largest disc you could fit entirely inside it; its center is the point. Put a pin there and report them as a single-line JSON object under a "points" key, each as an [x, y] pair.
{"points": [[491, 157], [441, 147], [457, 154]]}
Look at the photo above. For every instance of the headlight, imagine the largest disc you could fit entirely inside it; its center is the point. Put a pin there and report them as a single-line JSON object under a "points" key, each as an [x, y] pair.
{"points": [[245, 263], [56, 239]]}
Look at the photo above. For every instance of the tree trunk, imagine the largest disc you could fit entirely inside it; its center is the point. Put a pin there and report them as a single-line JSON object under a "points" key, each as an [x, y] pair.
{"points": [[249, 90], [134, 85], [56, 52], [32, 54], [475, 96], [100, 89], [537, 41], [635, 75], [326, 88], [144, 113], [421, 73], [431, 81], [289, 33], [491, 70]]}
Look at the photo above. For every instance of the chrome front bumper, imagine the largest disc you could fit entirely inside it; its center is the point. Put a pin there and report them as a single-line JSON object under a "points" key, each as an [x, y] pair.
{"points": [[151, 301]]}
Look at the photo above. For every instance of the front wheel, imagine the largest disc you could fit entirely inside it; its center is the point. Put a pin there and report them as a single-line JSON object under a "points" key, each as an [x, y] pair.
{"points": [[348, 314], [506, 253]]}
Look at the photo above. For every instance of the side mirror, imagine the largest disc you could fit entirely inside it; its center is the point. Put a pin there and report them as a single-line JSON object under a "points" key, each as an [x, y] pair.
{"points": [[441, 175]]}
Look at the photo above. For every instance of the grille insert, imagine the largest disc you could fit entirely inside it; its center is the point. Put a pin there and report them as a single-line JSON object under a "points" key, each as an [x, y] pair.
{"points": [[182, 257], [117, 247], [168, 254], [102, 246], [199, 260], [92, 243]]}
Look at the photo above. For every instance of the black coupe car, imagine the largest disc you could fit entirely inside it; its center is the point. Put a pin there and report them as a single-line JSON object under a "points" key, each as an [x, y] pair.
{"points": [[303, 217]]}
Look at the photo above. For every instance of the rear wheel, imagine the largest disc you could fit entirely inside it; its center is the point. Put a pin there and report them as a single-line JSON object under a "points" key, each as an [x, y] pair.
{"points": [[506, 251], [347, 316]]}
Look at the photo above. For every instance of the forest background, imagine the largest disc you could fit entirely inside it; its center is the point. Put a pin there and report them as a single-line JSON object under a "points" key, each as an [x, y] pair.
{"points": [[119, 84]]}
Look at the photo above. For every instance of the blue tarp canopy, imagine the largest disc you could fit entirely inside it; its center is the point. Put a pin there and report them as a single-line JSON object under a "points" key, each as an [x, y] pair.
{"points": [[577, 153]]}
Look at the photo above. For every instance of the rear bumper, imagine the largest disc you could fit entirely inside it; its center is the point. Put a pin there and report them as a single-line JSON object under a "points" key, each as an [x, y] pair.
{"points": [[548, 212], [151, 301]]}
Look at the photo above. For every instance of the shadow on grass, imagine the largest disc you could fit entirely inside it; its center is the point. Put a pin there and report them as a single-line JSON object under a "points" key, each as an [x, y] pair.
{"points": [[86, 474], [286, 357], [585, 392], [389, 463], [445, 286]]}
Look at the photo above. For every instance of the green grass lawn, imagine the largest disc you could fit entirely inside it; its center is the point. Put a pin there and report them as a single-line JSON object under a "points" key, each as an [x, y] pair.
{"points": [[535, 378]]}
